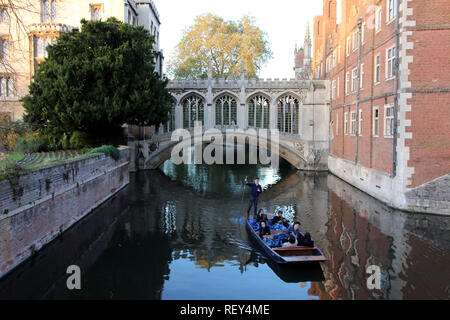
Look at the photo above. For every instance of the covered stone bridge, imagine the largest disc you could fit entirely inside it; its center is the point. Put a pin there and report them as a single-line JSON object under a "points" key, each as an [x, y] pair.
{"points": [[297, 108]]}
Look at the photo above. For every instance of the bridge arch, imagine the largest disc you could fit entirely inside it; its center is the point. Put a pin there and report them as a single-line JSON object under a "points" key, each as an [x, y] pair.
{"points": [[285, 150]]}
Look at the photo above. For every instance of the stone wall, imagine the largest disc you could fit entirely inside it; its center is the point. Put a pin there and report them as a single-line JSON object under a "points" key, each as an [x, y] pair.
{"points": [[46, 202]]}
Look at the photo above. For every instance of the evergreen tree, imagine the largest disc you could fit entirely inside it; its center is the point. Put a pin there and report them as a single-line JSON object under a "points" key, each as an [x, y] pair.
{"points": [[94, 81]]}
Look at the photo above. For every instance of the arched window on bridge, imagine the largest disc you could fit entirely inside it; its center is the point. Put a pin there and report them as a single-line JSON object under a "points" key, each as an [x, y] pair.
{"points": [[258, 112], [169, 126], [288, 109], [226, 111], [193, 110]]}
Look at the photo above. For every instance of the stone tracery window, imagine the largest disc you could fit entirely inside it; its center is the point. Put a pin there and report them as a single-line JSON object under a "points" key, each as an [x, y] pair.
{"points": [[48, 10], [4, 14], [193, 110], [258, 112], [288, 110], [226, 111]]}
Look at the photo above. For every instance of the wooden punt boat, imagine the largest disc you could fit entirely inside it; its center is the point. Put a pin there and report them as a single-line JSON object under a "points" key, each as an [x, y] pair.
{"points": [[291, 255]]}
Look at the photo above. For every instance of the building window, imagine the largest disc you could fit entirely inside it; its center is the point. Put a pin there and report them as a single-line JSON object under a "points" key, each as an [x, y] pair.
{"points": [[226, 111], [388, 120], [345, 122], [348, 46], [48, 10], [391, 10], [361, 78], [337, 90], [193, 111], [376, 121], [4, 17], [377, 68], [347, 83], [46, 44], [339, 54], [6, 86], [363, 33], [258, 112], [360, 121], [333, 89], [38, 47], [288, 109], [337, 123], [390, 62], [355, 40], [378, 15], [4, 53], [353, 123], [95, 12], [354, 79]]}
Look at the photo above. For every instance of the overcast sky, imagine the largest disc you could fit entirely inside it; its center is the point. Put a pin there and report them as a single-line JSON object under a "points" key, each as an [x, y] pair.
{"points": [[284, 21]]}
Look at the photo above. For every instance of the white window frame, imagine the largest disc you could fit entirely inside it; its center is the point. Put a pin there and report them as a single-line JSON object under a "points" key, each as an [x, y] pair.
{"points": [[345, 123], [375, 121], [389, 118], [347, 83], [337, 90], [337, 123], [388, 60], [348, 46], [355, 40], [339, 54], [378, 17], [360, 122], [353, 123], [377, 69], [361, 78], [390, 9], [363, 33], [333, 89], [354, 79]]}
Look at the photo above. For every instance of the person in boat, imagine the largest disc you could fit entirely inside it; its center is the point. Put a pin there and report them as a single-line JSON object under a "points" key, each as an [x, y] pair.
{"points": [[294, 230], [290, 243], [279, 219], [264, 230], [302, 240], [255, 191], [261, 216]]}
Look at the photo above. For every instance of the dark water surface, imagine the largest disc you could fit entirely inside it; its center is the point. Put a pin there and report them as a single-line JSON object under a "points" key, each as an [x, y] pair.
{"points": [[179, 234]]}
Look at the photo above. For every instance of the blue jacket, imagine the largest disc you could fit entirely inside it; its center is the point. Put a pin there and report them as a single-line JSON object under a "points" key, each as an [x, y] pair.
{"points": [[254, 194]]}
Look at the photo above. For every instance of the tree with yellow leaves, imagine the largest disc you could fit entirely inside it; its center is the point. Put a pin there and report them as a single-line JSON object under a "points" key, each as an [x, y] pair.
{"points": [[220, 47]]}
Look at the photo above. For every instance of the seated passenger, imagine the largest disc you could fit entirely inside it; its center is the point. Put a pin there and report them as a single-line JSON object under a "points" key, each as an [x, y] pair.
{"points": [[279, 219], [264, 231], [307, 241], [261, 216], [295, 231], [290, 243]]}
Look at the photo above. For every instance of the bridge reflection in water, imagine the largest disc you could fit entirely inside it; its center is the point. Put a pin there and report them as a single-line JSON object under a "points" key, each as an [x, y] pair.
{"points": [[182, 236]]}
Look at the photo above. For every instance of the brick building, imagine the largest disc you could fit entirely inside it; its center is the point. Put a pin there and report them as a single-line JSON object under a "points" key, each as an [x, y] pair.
{"points": [[390, 122], [27, 27]]}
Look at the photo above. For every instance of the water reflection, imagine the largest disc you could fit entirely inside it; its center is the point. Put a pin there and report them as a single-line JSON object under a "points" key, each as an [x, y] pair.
{"points": [[182, 236]]}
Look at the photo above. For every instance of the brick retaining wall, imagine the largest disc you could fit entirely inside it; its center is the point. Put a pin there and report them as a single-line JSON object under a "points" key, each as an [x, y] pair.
{"points": [[46, 202]]}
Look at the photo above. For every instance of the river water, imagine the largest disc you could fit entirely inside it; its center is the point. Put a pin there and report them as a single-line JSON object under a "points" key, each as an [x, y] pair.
{"points": [[178, 233]]}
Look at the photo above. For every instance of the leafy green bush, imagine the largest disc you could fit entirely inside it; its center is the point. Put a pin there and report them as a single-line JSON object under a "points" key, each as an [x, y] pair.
{"points": [[111, 151], [79, 140], [31, 145]]}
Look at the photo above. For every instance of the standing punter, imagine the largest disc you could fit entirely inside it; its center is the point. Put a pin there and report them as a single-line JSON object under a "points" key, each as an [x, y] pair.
{"points": [[254, 194]]}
